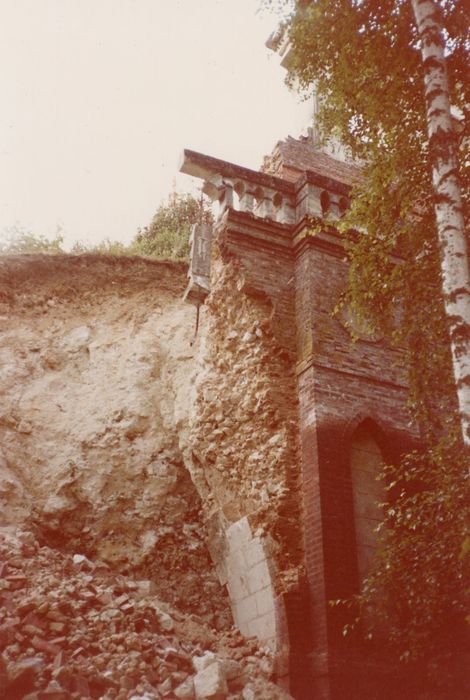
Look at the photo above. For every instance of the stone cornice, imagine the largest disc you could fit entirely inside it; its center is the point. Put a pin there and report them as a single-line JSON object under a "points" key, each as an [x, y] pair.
{"points": [[325, 183], [203, 166], [200, 165], [330, 240]]}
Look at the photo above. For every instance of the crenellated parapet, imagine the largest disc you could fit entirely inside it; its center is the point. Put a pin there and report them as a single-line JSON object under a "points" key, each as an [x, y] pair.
{"points": [[242, 189], [260, 196], [267, 196]]}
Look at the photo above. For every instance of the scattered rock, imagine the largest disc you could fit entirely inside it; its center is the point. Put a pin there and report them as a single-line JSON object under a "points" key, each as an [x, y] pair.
{"points": [[113, 593], [202, 662], [165, 621], [186, 690], [210, 683], [68, 629]]}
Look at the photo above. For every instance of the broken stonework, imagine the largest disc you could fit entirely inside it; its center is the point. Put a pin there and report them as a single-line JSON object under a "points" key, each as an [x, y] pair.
{"points": [[68, 632], [210, 682], [108, 590], [202, 662], [242, 451]]}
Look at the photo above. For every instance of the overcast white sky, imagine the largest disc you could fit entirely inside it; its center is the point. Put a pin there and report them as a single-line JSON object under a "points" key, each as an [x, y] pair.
{"points": [[98, 98]]}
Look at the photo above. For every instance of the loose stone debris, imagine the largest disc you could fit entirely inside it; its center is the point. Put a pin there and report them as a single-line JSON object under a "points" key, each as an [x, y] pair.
{"points": [[74, 628]]}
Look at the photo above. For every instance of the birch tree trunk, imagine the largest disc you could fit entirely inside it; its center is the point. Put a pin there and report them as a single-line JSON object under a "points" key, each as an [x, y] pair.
{"points": [[448, 200]]}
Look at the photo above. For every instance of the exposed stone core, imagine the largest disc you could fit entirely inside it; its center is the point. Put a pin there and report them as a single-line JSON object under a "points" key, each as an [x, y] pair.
{"points": [[243, 450], [97, 364]]}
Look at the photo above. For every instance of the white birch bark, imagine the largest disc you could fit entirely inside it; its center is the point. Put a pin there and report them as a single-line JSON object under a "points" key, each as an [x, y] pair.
{"points": [[448, 206]]}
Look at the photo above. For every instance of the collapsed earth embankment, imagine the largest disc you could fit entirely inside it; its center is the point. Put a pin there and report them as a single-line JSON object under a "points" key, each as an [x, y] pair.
{"points": [[99, 380]]}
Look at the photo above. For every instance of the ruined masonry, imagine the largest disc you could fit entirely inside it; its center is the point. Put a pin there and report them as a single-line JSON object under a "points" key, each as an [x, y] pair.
{"points": [[297, 531]]}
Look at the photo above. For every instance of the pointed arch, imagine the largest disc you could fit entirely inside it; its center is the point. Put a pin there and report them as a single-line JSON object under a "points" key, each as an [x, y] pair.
{"points": [[369, 494]]}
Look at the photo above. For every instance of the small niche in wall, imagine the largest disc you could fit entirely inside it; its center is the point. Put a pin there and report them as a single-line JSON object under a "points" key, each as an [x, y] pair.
{"points": [[368, 495], [343, 206], [325, 202]]}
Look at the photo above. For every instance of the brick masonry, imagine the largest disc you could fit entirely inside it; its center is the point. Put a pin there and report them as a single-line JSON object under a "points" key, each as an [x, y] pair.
{"points": [[341, 386]]}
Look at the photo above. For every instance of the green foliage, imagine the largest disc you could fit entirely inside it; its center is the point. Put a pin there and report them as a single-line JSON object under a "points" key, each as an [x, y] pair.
{"points": [[421, 583], [362, 57], [18, 240], [167, 236], [106, 247]]}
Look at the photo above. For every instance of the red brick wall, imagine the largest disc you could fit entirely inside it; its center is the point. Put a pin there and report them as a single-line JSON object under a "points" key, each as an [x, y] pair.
{"points": [[264, 249], [339, 384]]}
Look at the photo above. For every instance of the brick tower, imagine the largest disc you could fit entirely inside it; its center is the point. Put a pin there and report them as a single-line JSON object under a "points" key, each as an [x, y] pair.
{"points": [[351, 395]]}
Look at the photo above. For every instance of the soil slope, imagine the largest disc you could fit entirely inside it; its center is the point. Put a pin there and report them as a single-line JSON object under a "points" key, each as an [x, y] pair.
{"points": [[95, 372]]}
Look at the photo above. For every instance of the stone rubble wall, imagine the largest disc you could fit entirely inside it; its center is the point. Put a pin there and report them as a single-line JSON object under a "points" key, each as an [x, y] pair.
{"points": [[242, 450]]}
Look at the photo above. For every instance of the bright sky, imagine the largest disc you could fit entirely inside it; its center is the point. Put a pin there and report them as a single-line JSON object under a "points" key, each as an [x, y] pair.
{"points": [[99, 98]]}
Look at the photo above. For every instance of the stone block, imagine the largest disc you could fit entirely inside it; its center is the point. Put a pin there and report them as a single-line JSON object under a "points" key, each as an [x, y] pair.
{"points": [[265, 601], [248, 693], [253, 552], [236, 563], [202, 662], [237, 587], [239, 534], [259, 576], [245, 611], [263, 627], [146, 588], [210, 683], [185, 690], [165, 621]]}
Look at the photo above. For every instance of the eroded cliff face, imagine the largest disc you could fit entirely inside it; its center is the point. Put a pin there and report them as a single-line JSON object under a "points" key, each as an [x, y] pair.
{"points": [[169, 457], [96, 375]]}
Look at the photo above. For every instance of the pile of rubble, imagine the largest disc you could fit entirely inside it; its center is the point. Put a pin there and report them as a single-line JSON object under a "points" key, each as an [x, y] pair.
{"points": [[73, 628]]}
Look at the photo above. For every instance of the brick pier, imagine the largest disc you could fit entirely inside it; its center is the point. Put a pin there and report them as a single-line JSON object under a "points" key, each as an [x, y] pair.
{"points": [[350, 394]]}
